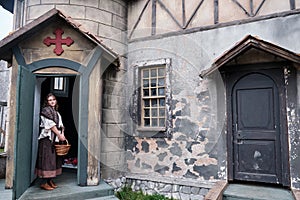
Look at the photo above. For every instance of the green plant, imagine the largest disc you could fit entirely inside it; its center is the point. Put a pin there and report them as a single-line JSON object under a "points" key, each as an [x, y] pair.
{"points": [[127, 194]]}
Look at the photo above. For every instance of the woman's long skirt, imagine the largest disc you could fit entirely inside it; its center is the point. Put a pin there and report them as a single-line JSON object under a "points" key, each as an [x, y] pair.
{"points": [[48, 164]]}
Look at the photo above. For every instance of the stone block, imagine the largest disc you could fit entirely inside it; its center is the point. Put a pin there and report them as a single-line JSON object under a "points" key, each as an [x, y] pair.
{"points": [[113, 159], [119, 22], [196, 197], [90, 3], [118, 47], [105, 30], [114, 88], [112, 145], [111, 172], [38, 10], [115, 76], [113, 116], [114, 130], [122, 2], [72, 11], [55, 1], [113, 101], [90, 26], [195, 190], [113, 7], [97, 15], [34, 2]]}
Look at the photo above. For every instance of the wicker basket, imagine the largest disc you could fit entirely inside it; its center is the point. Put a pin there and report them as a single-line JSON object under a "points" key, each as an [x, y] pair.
{"points": [[62, 149]]}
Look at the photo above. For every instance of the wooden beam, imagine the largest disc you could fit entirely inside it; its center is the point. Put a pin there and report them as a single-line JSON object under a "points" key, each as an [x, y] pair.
{"points": [[216, 193], [153, 31]]}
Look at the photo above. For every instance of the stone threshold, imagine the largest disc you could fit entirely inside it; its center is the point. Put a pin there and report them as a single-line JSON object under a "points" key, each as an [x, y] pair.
{"points": [[172, 180]]}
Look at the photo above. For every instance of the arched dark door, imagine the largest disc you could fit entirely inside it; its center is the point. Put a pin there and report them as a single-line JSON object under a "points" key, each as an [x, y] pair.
{"points": [[256, 134]]}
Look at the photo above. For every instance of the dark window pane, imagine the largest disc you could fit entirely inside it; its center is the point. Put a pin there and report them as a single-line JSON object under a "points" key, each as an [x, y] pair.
{"points": [[146, 92], [153, 82], [154, 112], [153, 73], [146, 73], [162, 122], [154, 102], [154, 122], [161, 112], [146, 102], [161, 82], [146, 83], [161, 91], [162, 102], [153, 92], [146, 122], [161, 72], [147, 112]]}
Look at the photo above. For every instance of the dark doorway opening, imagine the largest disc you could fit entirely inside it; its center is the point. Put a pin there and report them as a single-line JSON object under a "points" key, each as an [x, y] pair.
{"points": [[62, 87]]}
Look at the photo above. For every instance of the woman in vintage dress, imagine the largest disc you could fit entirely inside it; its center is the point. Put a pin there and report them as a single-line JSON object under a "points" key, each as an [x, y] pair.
{"points": [[48, 164]]}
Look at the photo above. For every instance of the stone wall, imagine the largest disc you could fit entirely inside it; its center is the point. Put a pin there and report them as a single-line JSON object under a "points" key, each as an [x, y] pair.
{"points": [[113, 123], [4, 81], [172, 188]]}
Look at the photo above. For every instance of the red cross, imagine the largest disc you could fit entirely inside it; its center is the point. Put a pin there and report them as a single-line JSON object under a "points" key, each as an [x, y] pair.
{"points": [[58, 41]]}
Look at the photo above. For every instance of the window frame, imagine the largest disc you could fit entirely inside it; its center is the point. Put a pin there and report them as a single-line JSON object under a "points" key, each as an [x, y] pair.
{"points": [[64, 91], [141, 130]]}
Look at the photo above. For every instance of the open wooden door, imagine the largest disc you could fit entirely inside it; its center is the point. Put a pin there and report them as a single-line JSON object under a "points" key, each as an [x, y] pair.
{"points": [[23, 131]]}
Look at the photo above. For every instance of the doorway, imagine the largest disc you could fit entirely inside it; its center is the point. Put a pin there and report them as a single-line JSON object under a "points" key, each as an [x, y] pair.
{"points": [[62, 87], [257, 138]]}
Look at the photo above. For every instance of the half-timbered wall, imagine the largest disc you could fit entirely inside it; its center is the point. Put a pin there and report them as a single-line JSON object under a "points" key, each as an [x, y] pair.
{"points": [[155, 17]]}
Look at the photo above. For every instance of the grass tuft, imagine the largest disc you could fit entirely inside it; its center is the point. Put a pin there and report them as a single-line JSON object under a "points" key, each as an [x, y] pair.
{"points": [[127, 194]]}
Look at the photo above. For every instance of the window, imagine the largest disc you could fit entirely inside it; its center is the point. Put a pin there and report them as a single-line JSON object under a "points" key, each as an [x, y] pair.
{"points": [[58, 83], [153, 83], [151, 110], [59, 86]]}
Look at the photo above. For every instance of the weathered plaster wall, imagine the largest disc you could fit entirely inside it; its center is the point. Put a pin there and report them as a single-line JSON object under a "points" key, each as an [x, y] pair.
{"points": [[4, 81], [34, 49], [197, 149]]}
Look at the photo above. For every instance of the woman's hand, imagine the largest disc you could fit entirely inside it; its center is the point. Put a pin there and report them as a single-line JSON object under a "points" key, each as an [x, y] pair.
{"points": [[61, 137]]}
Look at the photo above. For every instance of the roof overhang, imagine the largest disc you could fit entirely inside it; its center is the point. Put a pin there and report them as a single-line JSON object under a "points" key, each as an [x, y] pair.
{"points": [[25, 32], [246, 44], [8, 5]]}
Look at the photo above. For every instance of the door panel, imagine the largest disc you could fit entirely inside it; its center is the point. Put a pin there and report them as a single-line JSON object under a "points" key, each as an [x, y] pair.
{"points": [[256, 133], [24, 128]]}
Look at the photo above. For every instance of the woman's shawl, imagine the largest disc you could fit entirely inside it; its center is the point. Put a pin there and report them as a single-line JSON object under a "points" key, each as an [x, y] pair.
{"points": [[51, 114]]}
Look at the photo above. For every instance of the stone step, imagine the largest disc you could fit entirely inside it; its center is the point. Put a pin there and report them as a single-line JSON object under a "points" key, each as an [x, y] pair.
{"points": [[256, 192], [112, 197]]}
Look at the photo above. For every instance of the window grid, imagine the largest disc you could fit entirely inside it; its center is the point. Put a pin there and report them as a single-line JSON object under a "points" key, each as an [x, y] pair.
{"points": [[153, 97]]}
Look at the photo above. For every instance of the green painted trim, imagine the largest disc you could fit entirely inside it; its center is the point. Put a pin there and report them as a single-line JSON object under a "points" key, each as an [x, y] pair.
{"points": [[50, 62], [16, 129], [19, 56]]}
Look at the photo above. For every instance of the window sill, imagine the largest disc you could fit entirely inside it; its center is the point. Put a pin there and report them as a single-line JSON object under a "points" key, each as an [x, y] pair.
{"points": [[152, 132]]}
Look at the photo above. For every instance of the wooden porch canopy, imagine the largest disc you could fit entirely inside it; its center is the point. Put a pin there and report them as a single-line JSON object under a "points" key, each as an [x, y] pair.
{"points": [[249, 43], [9, 42]]}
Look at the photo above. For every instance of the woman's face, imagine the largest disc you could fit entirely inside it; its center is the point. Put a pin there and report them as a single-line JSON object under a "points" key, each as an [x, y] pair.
{"points": [[52, 101]]}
